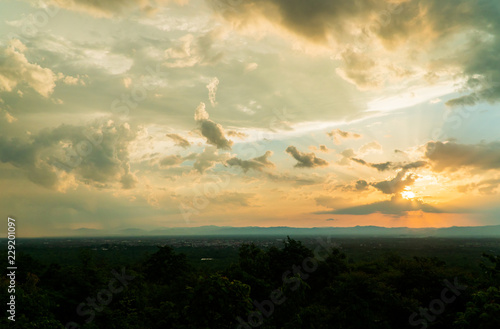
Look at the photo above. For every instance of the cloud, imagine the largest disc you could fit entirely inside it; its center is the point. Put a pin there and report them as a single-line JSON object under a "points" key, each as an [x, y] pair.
{"points": [[358, 186], [394, 32], [208, 159], [389, 165], [395, 206], [338, 135], [487, 186], [331, 202], [360, 69], [213, 132], [171, 160], [234, 198], [179, 140], [237, 134], [300, 180], [321, 148], [452, 156], [251, 67], [347, 155], [361, 185], [190, 51], [212, 90], [305, 160], [96, 154], [395, 185], [8, 117], [257, 163], [110, 8], [370, 147], [15, 69]]}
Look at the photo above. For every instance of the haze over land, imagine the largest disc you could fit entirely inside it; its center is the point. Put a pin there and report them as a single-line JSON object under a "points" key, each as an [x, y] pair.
{"points": [[238, 113]]}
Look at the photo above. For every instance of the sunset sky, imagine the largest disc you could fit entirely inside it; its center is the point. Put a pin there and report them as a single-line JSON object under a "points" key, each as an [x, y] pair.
{"points": [[149, 113]]}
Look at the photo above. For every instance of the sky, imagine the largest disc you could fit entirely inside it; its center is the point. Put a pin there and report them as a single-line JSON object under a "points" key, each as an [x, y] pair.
{"points": [[182, 113]]}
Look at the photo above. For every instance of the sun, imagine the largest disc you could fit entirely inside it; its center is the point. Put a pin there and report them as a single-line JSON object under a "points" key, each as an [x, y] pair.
{"points": [[408, 195]]}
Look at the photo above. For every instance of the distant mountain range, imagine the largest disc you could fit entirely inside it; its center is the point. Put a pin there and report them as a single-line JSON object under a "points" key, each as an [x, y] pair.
{"points": [[454, 231]]}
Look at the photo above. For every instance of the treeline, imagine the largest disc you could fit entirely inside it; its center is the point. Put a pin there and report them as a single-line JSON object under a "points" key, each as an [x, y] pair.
{"points": [[289, 287]]}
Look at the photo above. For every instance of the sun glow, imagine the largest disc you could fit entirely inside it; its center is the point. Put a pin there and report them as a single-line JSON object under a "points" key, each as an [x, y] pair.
{"points": [[408, 195]]}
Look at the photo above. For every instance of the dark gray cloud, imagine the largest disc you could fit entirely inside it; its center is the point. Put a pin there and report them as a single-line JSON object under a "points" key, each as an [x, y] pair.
{"points": [[361, 185], [257, 163], [452, 156], [179, 140], [305, 160], [314, 20], [389, 165], [213, 132], [397, 184]]}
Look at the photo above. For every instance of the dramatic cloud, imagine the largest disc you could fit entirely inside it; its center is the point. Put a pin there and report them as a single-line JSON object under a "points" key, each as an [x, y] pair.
{"points": [[208, 159], [358, 29], [338, 135], [213, 132], [257, 163], [452, 156], [397, 184], [389, 165], [15, 69], [96, 154], [179, 140], [396, 206], [305, 160]]}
